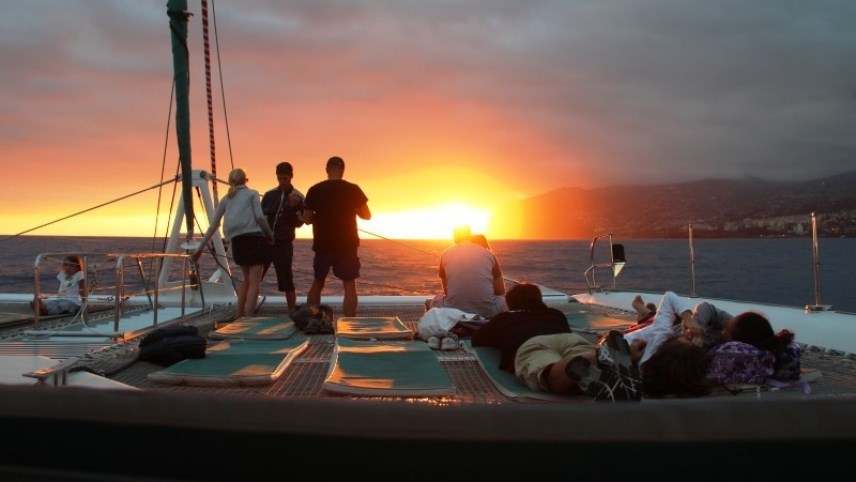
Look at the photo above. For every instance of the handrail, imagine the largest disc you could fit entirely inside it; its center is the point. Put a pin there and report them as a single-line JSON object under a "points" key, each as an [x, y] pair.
{"points": [[121, 291], [616, 263], [815, 256], [692, 260], [137, 258]]}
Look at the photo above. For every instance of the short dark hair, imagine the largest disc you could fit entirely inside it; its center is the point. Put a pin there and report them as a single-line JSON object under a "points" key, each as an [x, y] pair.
{"points": [[335, 161], [73, 261], [284, 168], [524, 296]]}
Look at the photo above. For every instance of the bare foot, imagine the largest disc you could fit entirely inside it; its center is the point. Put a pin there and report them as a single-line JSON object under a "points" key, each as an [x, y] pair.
{"points": [[639, 305]]}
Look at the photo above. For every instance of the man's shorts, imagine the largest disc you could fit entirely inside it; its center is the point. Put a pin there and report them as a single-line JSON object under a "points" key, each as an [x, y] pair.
{"points": [[539, 352], [345, 264]]}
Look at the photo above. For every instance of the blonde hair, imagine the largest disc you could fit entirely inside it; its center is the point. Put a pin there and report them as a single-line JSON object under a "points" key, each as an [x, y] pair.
{"points": [[237, 177]]}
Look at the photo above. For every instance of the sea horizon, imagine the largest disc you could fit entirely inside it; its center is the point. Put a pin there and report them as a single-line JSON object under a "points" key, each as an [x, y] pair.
{"points": [[766, 270]]}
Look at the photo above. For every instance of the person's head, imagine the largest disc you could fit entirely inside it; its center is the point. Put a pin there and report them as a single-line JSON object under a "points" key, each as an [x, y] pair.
{"points": [[524, 296], [678, 368], [237, 177], [335, 167], [752, 328], [284, 173], [481, 240], [72, 264], [462, 233]]}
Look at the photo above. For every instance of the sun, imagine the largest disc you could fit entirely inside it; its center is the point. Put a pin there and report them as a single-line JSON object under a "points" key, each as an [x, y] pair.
{"points": [[427, 223]]}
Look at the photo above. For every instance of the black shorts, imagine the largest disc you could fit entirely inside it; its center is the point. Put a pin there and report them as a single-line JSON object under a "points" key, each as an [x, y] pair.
{"points": [[345, 264], [250, 250]]}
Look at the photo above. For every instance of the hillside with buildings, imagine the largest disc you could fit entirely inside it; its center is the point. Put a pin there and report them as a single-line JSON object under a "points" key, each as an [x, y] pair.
{"points": [[714, 208]]}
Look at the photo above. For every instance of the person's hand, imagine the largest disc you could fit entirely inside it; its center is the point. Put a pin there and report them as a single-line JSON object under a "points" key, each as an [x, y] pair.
{"points": [[294, 199], [694, 335]]}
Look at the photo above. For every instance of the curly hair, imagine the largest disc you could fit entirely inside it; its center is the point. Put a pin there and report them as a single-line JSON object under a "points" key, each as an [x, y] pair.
{"points": [[677, 369], [754, 329]]}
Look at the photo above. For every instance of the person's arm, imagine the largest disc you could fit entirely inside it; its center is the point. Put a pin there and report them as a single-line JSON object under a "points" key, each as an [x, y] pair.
{"points": [[295, 198], [443, 280], [498, 279], [261, 219], [307, 216], [363, 212], [215, 225], [362, 201]]}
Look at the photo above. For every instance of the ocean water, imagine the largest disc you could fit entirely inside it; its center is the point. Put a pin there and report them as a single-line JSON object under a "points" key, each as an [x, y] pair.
{"points": [[769, 270]]}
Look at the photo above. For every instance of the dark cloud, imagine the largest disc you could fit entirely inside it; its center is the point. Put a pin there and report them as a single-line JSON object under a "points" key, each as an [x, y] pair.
{"points": [[626, 91]]}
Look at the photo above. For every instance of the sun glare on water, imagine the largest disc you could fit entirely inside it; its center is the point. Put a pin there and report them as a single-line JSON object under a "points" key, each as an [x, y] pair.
{"points": [[429, 223]]}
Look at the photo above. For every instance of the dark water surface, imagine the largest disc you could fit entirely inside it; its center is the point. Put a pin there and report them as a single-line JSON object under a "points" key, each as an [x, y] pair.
{"points": [[764, 270]]}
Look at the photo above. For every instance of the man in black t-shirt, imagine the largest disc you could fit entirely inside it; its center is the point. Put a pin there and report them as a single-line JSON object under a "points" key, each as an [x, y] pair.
{"points": [[331, 207]]}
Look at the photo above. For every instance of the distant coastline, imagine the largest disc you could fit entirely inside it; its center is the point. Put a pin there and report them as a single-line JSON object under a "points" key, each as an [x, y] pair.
{"points": [[715, 208]]}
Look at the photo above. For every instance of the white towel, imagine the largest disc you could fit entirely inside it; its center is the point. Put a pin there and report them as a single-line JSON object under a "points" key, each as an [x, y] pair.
{"points": [[438, 321]]}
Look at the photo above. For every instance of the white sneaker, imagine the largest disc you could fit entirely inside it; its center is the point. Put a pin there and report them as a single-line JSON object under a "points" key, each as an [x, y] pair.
{"points": [[433, 343], [449, 343]]}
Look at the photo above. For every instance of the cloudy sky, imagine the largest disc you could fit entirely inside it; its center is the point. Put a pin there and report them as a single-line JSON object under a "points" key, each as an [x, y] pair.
{"points": [[439, 107]]}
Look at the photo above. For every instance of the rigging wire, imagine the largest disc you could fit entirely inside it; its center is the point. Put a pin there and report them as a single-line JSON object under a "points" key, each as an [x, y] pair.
{"points": [[83, 211], [432, 253], [222, 87], [163, 166]]}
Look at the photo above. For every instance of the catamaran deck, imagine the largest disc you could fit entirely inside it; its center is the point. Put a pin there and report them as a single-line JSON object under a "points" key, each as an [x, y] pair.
{"points": [[179, 432], [305, 375]]}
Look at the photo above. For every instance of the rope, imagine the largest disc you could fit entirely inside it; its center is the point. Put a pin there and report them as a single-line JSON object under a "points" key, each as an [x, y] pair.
{"points": [[209, 97]]}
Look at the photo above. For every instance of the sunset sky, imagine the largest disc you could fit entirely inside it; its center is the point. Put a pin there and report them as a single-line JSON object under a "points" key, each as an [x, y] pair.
{"points": [[443, 110]]}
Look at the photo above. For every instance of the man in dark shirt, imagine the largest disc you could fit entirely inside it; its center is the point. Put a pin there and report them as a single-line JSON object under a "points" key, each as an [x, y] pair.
{"points": [[331, 207], [536, 344], [283, 207]]}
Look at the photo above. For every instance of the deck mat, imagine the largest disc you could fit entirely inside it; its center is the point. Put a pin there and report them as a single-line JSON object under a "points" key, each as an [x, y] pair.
{"points": [[256, 328], [386, 368], [506, 382], [367, 328], [585, 320], [234, 363]]}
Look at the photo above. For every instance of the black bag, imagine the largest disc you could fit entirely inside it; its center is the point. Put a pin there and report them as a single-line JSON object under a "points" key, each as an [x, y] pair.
{"points": [[313, 320], [166, 346]]}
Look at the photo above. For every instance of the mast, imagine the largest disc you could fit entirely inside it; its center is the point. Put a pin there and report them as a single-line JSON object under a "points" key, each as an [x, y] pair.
{"points": [[178, 16]]}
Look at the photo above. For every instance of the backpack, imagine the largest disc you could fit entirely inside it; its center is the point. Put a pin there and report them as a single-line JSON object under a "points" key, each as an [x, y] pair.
{"points": [[169, 345], [788, 362], [313, 319]]}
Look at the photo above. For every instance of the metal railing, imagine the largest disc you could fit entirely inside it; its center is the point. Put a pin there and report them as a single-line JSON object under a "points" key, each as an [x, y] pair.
{"points": [[122, 288], [614, 266]]}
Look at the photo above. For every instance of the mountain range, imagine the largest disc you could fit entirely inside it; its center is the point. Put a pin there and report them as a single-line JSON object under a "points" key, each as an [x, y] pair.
{"points": [[713, 207]]}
